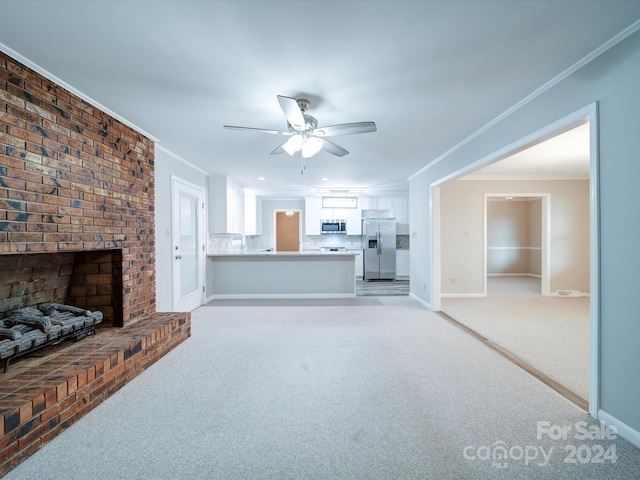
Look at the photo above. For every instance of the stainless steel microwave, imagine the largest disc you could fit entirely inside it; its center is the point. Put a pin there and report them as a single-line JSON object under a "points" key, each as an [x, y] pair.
{"points": [[333, 226]]}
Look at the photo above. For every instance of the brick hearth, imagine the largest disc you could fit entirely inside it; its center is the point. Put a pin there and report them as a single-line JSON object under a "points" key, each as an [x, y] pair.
{"points": [[77, 219], [41, 396]]}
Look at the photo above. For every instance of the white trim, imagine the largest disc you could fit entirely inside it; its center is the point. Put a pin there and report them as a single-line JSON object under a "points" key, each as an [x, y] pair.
{"points": [[180, 159], [563, 124], [513, 248], [517, 178], [421, 301], [436, 249], [534, 275], [463, 295], [536, 93], [590, 114], [624, 430], [38, 69], [238, 296], [594, 262]]}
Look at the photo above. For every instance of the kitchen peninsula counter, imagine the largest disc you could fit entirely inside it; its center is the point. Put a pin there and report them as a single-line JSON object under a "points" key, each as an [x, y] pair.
{"points": [[268, 274]]}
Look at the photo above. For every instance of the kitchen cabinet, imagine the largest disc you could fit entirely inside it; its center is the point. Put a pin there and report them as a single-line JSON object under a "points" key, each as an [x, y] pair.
{"points": [[398, 205], [353, 216], [251, 226], [226, 214], [377, 203], [402, 263], [312, 215]]}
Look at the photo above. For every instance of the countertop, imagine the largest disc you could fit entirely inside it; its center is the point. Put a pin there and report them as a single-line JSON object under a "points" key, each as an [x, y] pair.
{"points": [[304, 253]]}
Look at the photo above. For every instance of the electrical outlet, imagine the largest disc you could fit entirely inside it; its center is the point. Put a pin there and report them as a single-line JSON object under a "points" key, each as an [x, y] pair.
{"points": [[453, 280]]}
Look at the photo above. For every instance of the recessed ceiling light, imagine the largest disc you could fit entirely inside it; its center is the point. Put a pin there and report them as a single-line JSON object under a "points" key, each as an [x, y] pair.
{"points": [[262, 179], [324, 179]]}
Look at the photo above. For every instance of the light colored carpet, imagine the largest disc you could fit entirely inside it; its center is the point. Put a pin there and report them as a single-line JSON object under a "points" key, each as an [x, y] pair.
{"points": [[389, 391], [549, 333]]}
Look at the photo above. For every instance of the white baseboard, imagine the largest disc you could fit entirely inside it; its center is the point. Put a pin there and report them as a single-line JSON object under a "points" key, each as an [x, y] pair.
{"points": [[462, 295], [534, 275], [624, 430], [263, 296], [420, 301]]}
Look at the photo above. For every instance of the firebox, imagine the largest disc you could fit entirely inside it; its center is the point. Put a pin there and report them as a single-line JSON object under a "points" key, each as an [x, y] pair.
{"points": [[88, 279]]}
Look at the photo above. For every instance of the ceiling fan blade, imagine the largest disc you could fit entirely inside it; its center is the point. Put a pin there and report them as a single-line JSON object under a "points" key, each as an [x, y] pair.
{"points": [[333, 149], [292, 111], [345, 129], [261, 130], [279, 150]]}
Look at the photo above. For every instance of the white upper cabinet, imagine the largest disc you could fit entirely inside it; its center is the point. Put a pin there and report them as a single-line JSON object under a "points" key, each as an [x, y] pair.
{"points": [[312, 215], [353, 216], [250, 214], [226, 214], [398, 205]]}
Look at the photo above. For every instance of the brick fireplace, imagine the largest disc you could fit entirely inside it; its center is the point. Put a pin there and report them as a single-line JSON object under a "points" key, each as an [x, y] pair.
{"points": [[77, 227], [74, 179]]}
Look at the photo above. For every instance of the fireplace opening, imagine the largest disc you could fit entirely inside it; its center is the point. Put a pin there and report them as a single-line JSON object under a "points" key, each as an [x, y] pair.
{"points": [[89, 279]]}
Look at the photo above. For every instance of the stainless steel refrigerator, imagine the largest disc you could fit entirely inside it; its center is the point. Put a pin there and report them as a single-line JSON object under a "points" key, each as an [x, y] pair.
{"points": [[379, 246]]}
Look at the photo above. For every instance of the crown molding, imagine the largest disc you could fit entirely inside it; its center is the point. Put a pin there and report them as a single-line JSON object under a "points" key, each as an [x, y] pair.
{"points": [[536, 93]]}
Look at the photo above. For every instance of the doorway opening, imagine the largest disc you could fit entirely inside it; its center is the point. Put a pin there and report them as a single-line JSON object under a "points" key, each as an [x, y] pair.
{"points": [[516, 237], [586, 117]]}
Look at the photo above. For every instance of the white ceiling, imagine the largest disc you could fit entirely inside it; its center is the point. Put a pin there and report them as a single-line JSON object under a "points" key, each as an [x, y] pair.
{"points": [[429, 73], [564, 156]]}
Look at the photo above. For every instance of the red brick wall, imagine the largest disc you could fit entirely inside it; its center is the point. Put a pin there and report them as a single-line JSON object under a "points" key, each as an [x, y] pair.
{"points": [[73, 178]]}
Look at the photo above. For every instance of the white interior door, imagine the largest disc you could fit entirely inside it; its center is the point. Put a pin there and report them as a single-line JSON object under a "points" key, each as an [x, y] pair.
{"points": [[187, 221]]}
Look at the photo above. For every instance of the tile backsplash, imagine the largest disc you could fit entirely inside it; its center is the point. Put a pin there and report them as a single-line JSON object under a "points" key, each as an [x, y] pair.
{"points": [[229, 243]]}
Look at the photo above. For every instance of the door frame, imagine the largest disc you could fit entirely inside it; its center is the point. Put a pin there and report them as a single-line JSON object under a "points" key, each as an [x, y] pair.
{"points": [[545, 241], [177, 185], [590, 113]]}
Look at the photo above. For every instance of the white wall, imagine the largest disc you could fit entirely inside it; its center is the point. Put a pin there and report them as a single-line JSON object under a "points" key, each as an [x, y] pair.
{"points": [[462, 232], [612, 80], [166, 166]]}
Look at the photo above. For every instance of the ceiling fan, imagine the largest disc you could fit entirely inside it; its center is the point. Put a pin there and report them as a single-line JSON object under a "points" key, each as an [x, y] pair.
{"points": [[303, 132]]}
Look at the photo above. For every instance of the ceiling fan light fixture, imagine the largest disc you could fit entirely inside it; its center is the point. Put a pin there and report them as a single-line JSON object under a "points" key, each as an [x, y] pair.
{"points": [[293, 145], [311, 146]]}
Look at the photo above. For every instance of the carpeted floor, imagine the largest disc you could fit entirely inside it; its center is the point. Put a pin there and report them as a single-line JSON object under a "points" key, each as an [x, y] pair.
{"points": [[385, 391], [549, 333]]}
